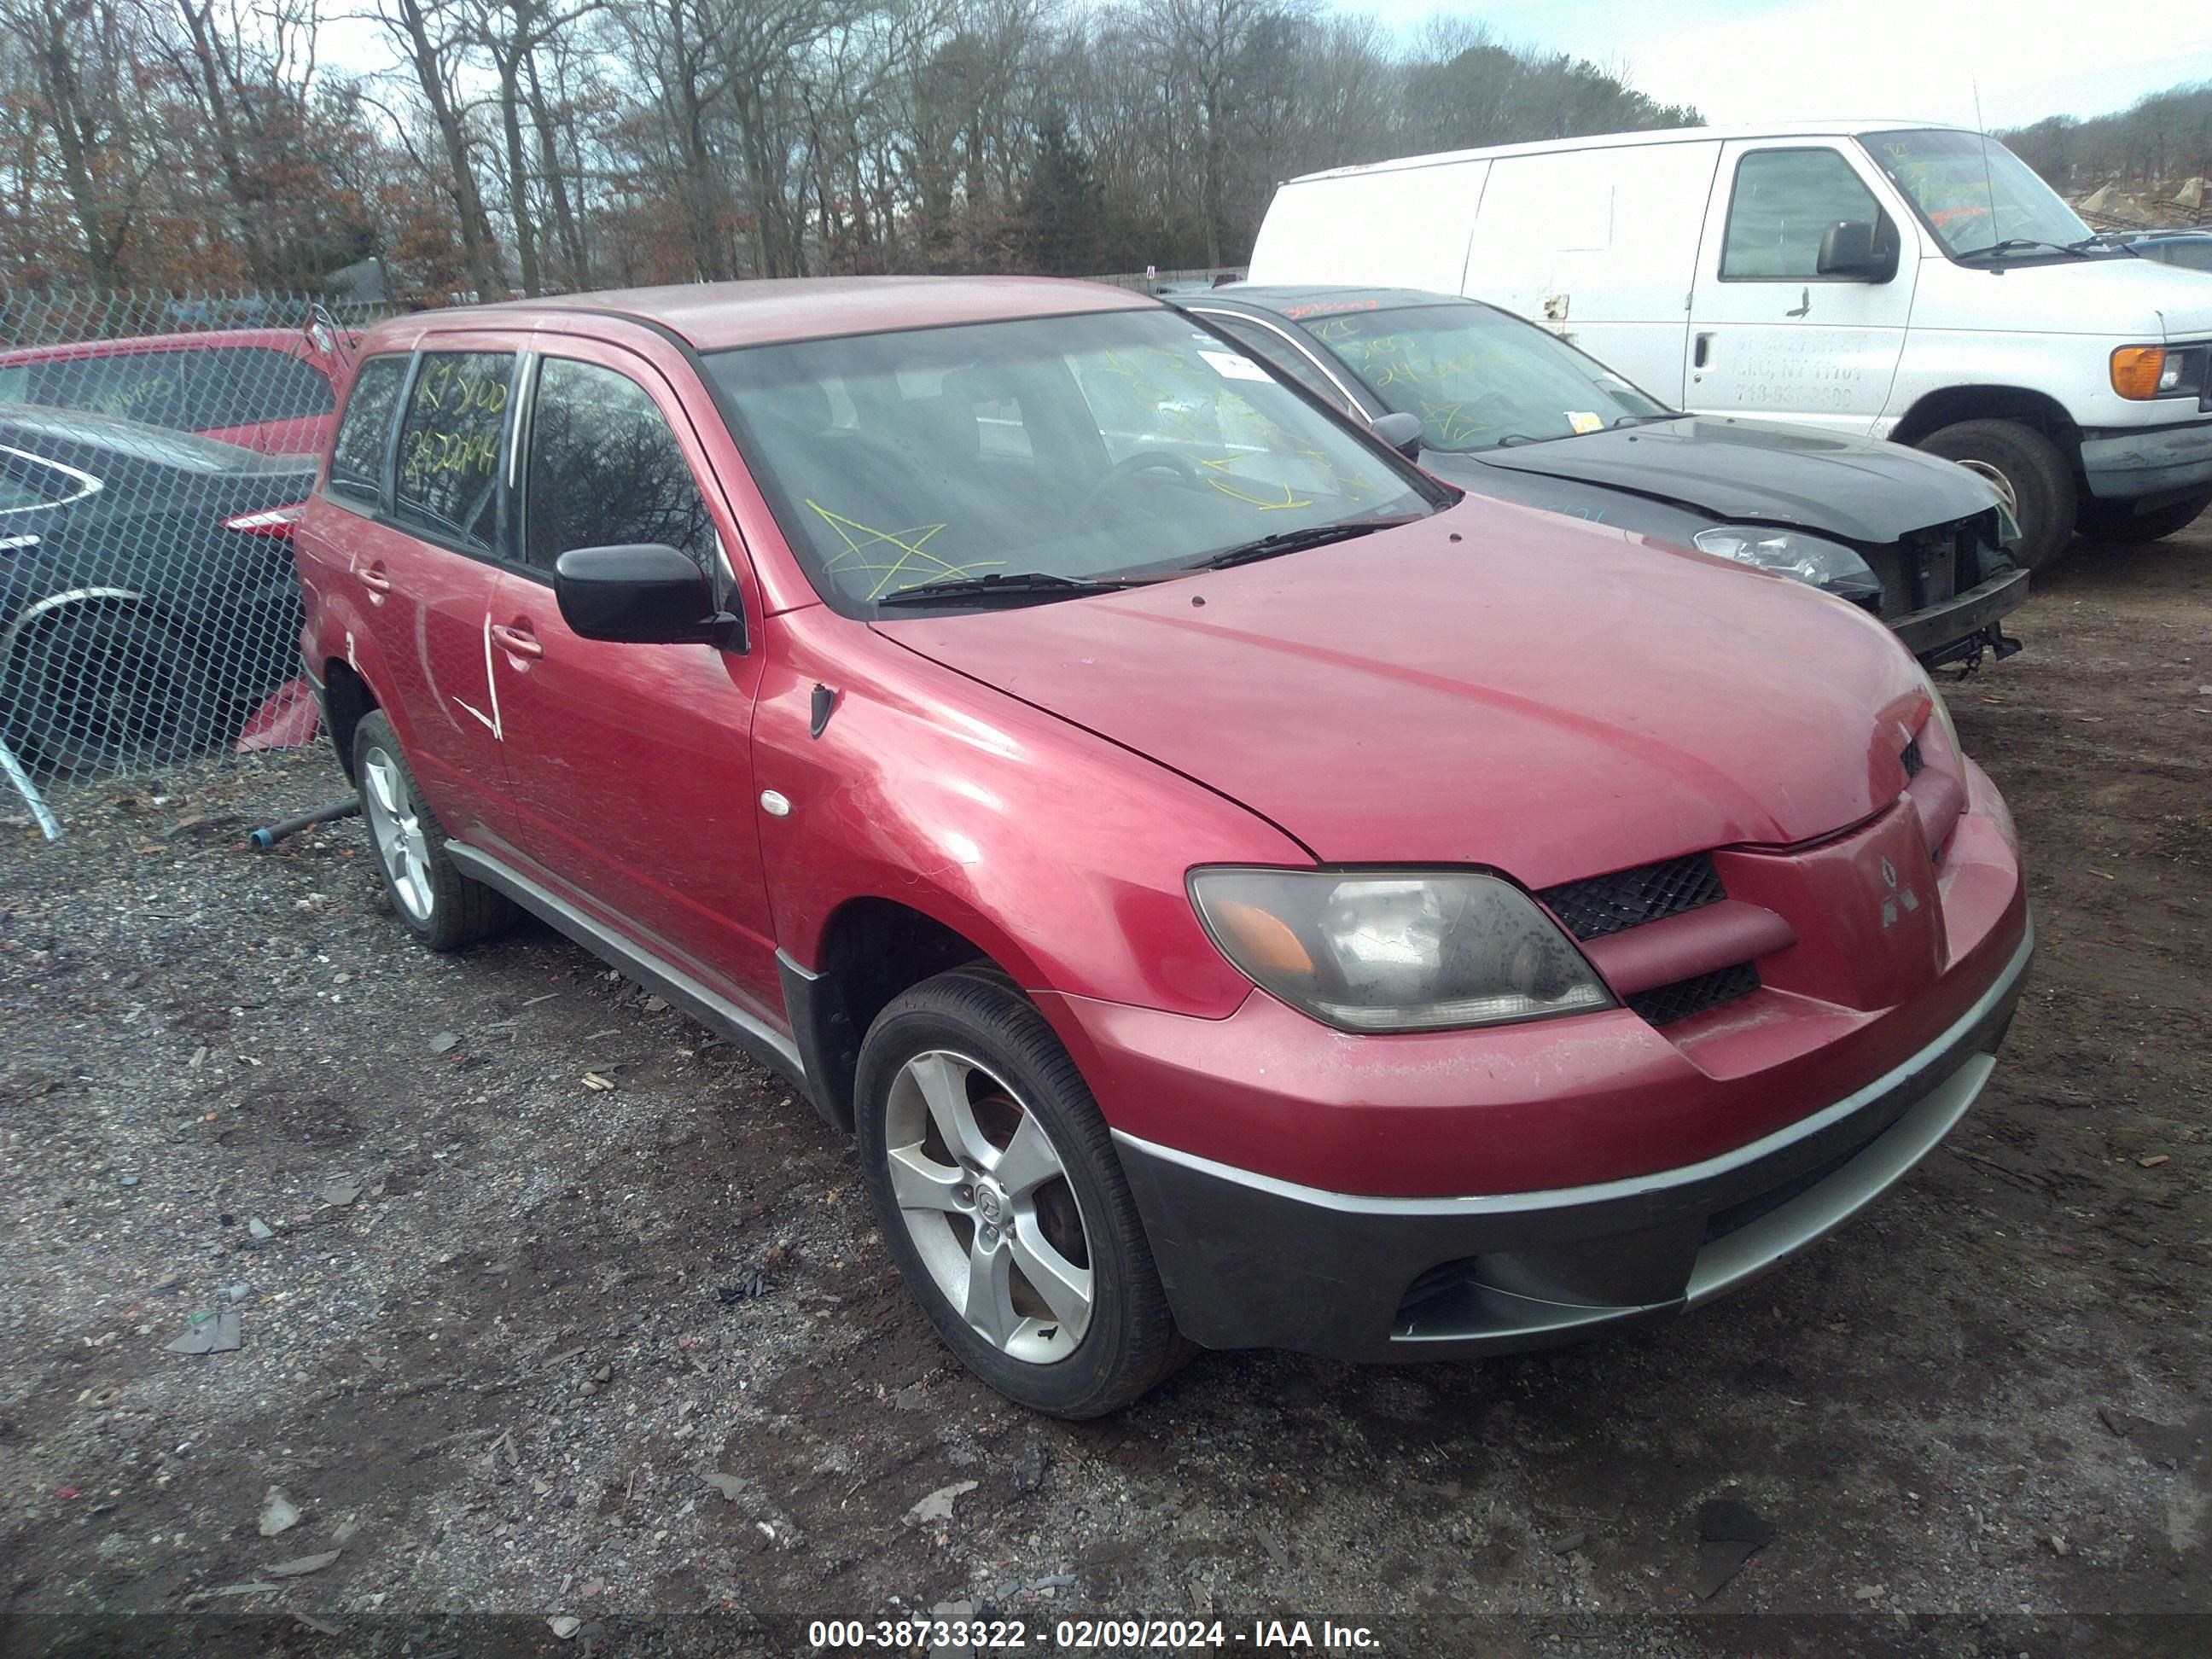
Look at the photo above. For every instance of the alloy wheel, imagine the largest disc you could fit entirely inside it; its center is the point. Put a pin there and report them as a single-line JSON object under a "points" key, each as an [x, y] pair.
{"points": [[986, 1199], [397, 828], [1996, 481]]}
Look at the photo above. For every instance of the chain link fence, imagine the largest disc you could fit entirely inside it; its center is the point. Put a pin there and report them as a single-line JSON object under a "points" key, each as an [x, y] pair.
{"points": [[153, 448]]}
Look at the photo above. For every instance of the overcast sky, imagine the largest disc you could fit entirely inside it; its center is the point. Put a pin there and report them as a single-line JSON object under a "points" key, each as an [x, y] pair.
{"points": [[1759, 60]]}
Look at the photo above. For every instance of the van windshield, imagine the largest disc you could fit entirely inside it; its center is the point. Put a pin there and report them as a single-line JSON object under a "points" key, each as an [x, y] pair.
{"points": [[1978, 197], [1110, 446], [1478, 378]]}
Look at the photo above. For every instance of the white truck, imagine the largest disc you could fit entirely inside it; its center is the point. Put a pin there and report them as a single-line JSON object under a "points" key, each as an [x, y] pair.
{"points": [[1880, 278]]}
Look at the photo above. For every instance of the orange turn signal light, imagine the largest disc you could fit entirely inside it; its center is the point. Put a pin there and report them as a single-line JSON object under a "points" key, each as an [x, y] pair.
{"points": [[2136, 370], [1267, 940]]}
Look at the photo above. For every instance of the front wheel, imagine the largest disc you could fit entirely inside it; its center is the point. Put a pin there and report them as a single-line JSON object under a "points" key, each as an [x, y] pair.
{"points": [[2115, 521], [2027, 470], [996, 1187]]}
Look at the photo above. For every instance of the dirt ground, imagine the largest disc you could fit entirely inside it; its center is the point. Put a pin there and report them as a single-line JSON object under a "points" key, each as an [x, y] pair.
{"points": [[504, 1325]]}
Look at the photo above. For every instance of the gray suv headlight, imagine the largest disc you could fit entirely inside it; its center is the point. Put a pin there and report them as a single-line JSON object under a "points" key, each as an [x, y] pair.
{"points": [[1829, 566], [1397, 950]]}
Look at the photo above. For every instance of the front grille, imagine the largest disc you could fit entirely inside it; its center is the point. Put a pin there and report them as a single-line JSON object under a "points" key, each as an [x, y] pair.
{"points": [[1629, 898], [1910, 756], [1663, 1005]]}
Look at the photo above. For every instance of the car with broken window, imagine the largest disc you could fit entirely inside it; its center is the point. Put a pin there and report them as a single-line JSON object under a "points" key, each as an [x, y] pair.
{"points": [[269, 390], [1500, 406], [1235, 888]]}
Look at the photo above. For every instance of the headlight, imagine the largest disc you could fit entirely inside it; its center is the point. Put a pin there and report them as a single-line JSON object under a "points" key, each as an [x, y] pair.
{"points": [[1939, 716], [1397, 950], [1829, 566]]}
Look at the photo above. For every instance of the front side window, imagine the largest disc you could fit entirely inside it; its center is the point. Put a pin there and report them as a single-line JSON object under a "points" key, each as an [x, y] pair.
{"points": [[357, 458], [1783, 202], [450, 442], [1980, 199], [1279, 354], [605, 468], [1110, 445], [1478, 378]]}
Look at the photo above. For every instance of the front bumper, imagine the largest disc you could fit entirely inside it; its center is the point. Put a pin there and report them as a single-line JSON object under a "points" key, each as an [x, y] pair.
{"points": [[1927, 632], [1250, 1260], [2125, 463]]}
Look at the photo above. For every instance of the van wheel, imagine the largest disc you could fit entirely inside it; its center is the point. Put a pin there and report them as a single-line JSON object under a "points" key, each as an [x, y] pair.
{"points": [[444, 908], [2027, 470], [2114, 521], [997, 1190]]}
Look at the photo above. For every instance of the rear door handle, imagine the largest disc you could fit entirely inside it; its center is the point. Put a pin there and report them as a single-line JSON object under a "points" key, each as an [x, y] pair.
{"points": [[517, 642], [1703, 353], [374, 578]]}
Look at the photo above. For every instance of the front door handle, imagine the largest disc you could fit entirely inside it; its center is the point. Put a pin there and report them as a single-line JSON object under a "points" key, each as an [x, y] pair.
{"points": [[375, 578], [516, 642]]}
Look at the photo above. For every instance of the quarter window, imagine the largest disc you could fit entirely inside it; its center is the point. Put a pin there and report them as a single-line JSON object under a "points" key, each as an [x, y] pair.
{"points": [[450, 443], [605, 468], [357, 458], [1784, 200]]}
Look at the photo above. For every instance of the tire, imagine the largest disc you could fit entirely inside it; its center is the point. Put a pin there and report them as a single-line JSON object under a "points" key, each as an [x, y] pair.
{"points": [[102, 689], [2114, 521], [966, 1050], [442, 908], [2028, 467]]}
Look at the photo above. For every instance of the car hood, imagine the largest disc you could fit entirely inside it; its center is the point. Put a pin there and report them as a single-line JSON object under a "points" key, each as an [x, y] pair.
{"points": [[1494, 686], [2133, 298], [1747, 471]]}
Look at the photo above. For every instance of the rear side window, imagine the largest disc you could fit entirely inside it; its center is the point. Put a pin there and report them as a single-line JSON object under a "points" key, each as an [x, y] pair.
{"points": [[249, 385], [140, 386], [450, 443], [1783, 200], [357, 459], [605, 468]]}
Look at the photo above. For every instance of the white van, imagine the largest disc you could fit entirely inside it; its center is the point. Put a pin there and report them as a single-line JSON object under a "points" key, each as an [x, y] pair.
{"points": [[1879, 278]]}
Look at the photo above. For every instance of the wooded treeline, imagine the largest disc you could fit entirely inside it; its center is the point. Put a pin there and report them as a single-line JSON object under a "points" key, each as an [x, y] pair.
{"points": [[2165, 137], [504, 146]]}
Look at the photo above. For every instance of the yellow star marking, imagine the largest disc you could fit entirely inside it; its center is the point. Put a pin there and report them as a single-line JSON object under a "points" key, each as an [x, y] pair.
{"points": [[910, 544]]}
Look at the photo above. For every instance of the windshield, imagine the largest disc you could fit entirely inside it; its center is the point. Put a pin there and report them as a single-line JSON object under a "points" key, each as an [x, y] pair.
{"points": [[1478, 377], [1090, 446], [1974, 193]]}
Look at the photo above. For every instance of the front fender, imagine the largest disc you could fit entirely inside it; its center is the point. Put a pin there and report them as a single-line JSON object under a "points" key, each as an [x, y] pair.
{"points": [[1060, 854]]}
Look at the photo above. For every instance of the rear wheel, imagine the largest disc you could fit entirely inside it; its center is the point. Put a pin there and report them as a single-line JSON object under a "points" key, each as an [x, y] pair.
{"points": [[2027, 470], [107, 690], [444, 908], [2115, 521], [996, 1187]]}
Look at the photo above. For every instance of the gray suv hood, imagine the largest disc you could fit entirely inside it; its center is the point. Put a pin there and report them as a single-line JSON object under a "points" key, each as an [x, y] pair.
{"points": [[1744, 471]]}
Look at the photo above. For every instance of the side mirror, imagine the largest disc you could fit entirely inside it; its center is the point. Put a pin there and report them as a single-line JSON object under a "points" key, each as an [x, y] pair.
{"points": [[642, 595], [1856, 248], [1401, 431]]}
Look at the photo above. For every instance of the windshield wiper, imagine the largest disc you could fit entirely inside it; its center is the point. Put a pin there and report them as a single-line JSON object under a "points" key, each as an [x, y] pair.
{"points": [[1014, 587], [1296, 541], [2013, 244]]}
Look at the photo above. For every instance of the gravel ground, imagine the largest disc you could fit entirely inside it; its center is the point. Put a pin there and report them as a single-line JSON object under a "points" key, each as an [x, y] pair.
{"points": [[514, 1343]]}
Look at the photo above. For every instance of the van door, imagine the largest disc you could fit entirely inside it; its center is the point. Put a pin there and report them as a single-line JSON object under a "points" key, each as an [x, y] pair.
{"points": [[1597, 245], [1770, 336]]}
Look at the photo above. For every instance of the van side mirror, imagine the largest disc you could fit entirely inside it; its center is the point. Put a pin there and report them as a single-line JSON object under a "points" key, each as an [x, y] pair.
{"points": [[1857, 248], [1401, 431], [643, 593]]}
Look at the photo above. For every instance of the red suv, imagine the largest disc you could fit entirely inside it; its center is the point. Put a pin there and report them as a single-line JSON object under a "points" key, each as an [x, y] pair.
{"points": [[1237, 892], [269, 390]]}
